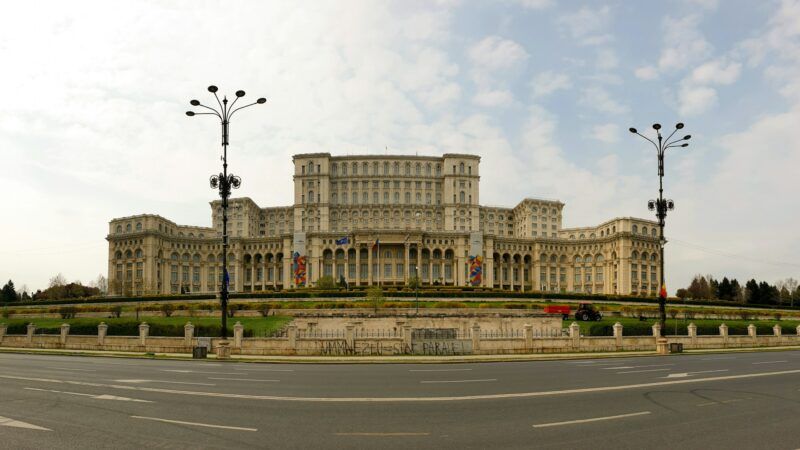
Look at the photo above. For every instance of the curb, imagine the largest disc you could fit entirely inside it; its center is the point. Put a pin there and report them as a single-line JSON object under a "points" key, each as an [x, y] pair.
{"points": [[387, 359]]}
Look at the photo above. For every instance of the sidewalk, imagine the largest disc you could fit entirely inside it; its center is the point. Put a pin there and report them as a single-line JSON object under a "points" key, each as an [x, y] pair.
{"points": [[384, 359]]}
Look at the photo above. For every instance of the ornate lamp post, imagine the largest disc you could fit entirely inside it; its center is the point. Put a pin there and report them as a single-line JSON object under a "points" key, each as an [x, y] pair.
{"points": [[661, 206], [224, 182]]}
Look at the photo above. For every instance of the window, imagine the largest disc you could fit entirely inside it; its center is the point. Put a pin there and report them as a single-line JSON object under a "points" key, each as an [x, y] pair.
{"points": [[138, 226], [461, 197]]}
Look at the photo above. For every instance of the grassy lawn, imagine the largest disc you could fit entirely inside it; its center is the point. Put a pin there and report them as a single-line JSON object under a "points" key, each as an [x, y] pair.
{"points": [[634, 327], [258, 325]]}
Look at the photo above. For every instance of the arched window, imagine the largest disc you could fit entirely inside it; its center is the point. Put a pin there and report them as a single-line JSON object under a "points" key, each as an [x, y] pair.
{"points": [[344, 168], [428, 169], [335, 169], [138, 226], [118, 255], [375, 168], [408, 168], [653, 232], [644, 231], [128, 228], [418, 169], [635, 229], [138, 253], [311, 167], [438, 169], [462, 197], [119, 228], [310, 196], [461, 168], [577, 260], [128, 254], [386, 168], [396, 168], [355, 168], [364, 168], [408, 198]]}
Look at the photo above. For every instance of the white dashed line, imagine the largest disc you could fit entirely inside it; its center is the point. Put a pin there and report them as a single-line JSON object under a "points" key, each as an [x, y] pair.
{"points": [[196, 424], [596, 419], [439, 370], [770, 362], [239, 379], [459, 381]]}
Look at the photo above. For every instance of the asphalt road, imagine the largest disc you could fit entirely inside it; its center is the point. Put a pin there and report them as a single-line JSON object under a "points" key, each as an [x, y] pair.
{"points": [[688, 401]]}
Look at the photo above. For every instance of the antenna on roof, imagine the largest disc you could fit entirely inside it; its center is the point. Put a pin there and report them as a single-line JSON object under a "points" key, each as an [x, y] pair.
{"points": [[386, 148]]}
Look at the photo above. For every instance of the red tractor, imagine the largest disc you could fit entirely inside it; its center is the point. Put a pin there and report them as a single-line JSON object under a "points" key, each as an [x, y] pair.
{"points": [[585, 311]]}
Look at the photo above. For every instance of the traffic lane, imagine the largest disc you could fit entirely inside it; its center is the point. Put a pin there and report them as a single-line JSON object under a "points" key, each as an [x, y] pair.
{"points": [[472, 424], [361, 380]]}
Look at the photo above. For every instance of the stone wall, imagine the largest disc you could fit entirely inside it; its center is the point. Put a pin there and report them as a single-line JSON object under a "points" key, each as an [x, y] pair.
{"points": [[355, 340]]}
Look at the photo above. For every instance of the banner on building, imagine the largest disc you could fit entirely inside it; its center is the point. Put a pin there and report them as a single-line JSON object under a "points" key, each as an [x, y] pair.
{"points": [[475, 270], [299, 259]]}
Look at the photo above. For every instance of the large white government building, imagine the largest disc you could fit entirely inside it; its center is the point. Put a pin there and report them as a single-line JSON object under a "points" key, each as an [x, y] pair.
{"points": [[378, 219]]}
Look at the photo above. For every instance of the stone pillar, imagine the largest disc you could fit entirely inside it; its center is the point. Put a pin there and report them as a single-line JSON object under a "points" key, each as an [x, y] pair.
{"points": [[575, 334], [188, 334], [358, 266], [751, 330], [776, 330], [4, 328], [476, 338], [618, 334], [723, 331], [31, 331], [798, 330], [692, 329], [528, 336], [349, 335], [370, 275], [656, 329], [223, 349], [418, 270], [64, 333], [291, 333], [102, 330], [407, 338], [238, 334], [144, 331]]}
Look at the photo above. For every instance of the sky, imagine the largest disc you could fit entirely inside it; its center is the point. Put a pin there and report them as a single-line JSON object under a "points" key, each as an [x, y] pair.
{"points": [[92, 122]]}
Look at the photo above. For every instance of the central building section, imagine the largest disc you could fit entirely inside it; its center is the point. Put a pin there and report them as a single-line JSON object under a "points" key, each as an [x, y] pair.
{"points": [[382, 220]]}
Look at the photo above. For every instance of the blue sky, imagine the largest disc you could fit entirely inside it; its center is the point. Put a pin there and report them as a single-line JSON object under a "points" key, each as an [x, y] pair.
{"points": [[93, 127]]}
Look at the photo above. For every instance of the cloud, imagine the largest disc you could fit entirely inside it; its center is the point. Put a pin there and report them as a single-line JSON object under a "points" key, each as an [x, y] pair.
{"points": [[548, 82], [695, 100], [600, 99], [646, 73], [534, 4], [696, 94], [718, 71], [587, 26], [495, 53], [608, 133], [684, 44], [492, 99], [606, 59]]}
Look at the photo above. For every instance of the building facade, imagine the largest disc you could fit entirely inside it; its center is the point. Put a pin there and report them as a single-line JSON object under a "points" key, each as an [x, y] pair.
{"points": [[382, 220]]}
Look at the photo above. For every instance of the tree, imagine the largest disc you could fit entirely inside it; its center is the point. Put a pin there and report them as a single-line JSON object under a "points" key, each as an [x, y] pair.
{"points": [[326, 283], [414, 282], [58, 280], [101, 283], [8, 293], [682, 294], [752, 291], [725, 290], [375, 297], [737, 293]]}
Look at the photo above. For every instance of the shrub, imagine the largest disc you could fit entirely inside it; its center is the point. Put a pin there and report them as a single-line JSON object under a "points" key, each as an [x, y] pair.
{"points": [[67, 312], [326, 283], [116, 311], [166, 309]]}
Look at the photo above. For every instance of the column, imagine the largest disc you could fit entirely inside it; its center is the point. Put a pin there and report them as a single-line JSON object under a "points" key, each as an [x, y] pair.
{"points": [[370, 275], [419, 264], [407, 263], [511, 272], [358, 265]]}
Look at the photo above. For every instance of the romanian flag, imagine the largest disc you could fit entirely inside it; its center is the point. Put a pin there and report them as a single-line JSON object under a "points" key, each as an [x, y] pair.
{"points": [[663, 293], [377, 243]]}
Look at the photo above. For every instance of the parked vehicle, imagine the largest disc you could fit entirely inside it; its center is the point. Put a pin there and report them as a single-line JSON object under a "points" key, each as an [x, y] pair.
{"points": [[558, 309], [586, 312]]}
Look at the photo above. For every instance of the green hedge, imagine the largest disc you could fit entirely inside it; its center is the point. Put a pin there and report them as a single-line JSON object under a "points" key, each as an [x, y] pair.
{"points": [[125, 328]]}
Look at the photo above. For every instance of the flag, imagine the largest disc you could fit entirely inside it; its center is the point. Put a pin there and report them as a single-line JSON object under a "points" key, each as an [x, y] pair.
{"points": [[663, 293], [377, 243], [343, 241]]}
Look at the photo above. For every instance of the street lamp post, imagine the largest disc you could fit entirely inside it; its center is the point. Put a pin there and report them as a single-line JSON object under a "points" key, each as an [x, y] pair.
{"points": [[661, 206], [416, 287], [224, 182]]}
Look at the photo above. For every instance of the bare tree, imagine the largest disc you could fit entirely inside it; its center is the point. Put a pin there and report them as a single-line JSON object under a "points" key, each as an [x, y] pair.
{"points": [[58, 280], [101, 283]]}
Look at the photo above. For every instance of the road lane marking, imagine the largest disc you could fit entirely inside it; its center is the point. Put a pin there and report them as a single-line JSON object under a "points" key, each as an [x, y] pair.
{"points": [[196, 424], [636, 367], [688, 374], [265, 370], [719, 359], [595, 419], [720, 402], [458, 381], [770, 362], [94, 396], [512, 395], [201, 372], [239, 379], [68, 368], [438, 370], [6, 422], [643, 371], [164, 381], [383, 434]]}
